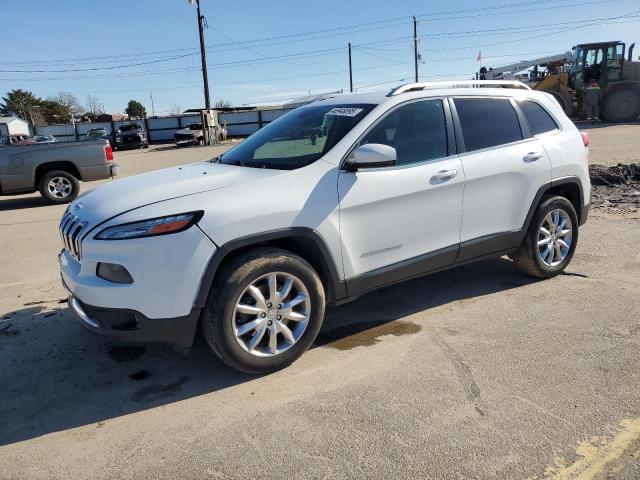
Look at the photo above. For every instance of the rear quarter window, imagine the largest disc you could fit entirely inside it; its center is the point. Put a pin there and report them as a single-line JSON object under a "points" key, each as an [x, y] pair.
{"points": [[487, 122], [537, 117]]}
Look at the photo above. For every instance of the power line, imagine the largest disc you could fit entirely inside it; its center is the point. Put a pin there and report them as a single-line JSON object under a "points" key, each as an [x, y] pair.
{"points": [[295, 37], [321, 52]]}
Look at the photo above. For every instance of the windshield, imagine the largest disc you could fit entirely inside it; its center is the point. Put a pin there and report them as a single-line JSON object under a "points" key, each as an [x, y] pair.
{"points": [[130, 127], [298, 138], [576, 64]]}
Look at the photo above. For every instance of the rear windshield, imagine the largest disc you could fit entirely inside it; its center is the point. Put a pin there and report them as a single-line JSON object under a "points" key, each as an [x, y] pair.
{"points": [[298, 138]]}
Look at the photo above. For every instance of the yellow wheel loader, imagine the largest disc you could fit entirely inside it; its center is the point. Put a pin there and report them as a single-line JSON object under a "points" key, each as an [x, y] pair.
{"points": [[567, 75]]}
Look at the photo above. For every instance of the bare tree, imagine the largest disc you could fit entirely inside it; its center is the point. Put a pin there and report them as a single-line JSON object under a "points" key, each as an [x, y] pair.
{"points": [[221, 103], [94, 107], [175, 110], [70, 102]]}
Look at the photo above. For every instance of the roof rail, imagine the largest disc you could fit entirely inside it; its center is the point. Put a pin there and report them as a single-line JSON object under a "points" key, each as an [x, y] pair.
{"points": [[414, 87]]}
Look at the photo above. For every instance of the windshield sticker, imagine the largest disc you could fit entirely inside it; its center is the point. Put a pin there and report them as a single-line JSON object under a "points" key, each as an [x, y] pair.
{"points": [[344, 111]]}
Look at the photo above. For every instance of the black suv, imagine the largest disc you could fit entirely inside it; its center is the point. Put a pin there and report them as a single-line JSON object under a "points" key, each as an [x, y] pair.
{"points": [[131, 135]]}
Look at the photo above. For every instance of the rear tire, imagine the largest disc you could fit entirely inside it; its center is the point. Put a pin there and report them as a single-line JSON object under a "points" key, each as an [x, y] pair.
{"points": [[234, 304], [547, 249], [59, 186], [622, 106]]}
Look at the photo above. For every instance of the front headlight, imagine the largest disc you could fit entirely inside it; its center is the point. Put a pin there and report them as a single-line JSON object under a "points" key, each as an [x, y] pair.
{"points": [[150, 228]]}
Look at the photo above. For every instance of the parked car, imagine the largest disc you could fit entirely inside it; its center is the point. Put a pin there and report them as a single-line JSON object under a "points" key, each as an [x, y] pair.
{"points": [[131, 135], [193, 134], [55, 169], [44, 139], [254, 244], [96, 133]]}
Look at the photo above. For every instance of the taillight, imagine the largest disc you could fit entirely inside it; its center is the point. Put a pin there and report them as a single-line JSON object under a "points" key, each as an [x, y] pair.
{"points": [[585, 138], [108, 153]]}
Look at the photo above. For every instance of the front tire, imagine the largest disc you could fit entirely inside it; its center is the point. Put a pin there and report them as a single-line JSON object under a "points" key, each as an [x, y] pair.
{"points": [[265, 310], [550, 240], [58, 186]]}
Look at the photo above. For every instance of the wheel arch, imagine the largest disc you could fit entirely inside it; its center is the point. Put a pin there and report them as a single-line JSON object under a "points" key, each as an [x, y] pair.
{"points": [[66, 166], [302, 241], [569, 188]]}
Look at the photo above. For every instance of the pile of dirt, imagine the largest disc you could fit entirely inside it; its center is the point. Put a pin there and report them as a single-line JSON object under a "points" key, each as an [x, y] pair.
{"points": [[617, 186]]}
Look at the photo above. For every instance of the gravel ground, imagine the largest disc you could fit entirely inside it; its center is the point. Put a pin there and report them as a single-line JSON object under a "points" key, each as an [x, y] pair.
{"points": [[478, 372]]}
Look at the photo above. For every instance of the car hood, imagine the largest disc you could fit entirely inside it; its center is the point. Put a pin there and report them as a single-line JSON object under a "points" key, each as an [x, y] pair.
{"points": [[123, 195], [187, 131]]}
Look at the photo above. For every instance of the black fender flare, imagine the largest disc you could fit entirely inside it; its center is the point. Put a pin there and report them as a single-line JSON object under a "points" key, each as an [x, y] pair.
{"points": [[336, 288], [573, 180]]}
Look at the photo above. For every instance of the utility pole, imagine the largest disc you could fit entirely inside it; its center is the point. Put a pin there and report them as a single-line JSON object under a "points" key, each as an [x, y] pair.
{"points": [[350, 71], [153, 110], [206, 117], [203, 56], [415, 45]]}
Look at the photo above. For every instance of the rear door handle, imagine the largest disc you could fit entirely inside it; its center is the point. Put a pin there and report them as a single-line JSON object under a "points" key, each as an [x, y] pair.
{"points": [[532, 157], [444, 174]]}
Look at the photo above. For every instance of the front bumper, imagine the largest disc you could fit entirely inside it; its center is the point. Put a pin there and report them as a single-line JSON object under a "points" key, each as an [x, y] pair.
{"points": [[166, 272], [181, 139], [131, 327], [130, 142]]}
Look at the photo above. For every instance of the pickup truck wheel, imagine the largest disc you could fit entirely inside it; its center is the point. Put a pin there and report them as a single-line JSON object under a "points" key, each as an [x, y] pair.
{"points": [[265, 310], [550, 240], [58, 186]]}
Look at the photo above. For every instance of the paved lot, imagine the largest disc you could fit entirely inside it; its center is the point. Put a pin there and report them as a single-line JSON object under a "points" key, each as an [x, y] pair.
{"points": [[478, 372]]}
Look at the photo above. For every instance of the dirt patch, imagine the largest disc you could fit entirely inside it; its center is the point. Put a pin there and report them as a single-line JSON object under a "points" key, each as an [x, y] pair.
{"points": [[156, 391], [615, 187]]}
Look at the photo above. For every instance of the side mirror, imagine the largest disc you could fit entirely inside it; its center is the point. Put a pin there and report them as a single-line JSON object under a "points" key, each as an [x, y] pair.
{"points": [[372, 155]]}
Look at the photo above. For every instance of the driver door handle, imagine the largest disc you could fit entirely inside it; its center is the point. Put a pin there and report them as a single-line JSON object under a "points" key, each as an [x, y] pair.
{"points": [[444, 174], [532, 157]]}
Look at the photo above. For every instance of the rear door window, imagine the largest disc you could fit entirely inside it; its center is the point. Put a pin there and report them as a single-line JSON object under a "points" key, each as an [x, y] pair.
{"points": [[487, 122], [537, 117]]}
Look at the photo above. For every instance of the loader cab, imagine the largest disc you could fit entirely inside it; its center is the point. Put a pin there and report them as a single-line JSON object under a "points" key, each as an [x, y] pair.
{"points": [[602, 62]]}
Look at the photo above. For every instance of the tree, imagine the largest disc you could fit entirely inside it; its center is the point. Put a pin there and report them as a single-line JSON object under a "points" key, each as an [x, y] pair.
{"points": [[94, 107], [135, 109], [221, 103], [54, 111], [21, 103], [70, 101]]}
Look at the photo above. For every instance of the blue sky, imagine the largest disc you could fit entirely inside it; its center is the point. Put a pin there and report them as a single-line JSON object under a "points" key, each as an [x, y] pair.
{"points": [[118, 50]]}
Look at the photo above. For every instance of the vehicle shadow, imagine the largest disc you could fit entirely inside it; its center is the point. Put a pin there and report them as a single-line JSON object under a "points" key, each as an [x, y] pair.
{"points": [[55, 376], [18, 203]]}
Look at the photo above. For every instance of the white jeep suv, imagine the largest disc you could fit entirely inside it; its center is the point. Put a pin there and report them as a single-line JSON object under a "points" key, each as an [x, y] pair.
{"points": [[332, 200]]}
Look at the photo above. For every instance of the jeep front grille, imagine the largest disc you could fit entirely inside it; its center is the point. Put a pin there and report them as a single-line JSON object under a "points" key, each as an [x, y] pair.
{"points": [[71, 228]]}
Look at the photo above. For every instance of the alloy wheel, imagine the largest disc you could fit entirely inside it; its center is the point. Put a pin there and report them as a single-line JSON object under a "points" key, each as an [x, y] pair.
{"points": [[271, 314], [554, 237], [59, 187]]}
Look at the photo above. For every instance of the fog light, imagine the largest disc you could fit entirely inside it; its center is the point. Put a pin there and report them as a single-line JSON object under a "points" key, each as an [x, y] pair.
{"points": [[114, 273]]}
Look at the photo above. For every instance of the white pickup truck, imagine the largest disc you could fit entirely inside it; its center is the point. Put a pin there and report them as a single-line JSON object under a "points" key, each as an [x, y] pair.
{"points": [[54, 169]]}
